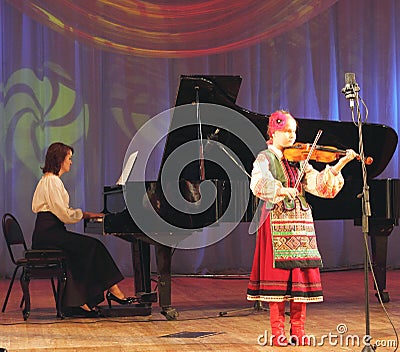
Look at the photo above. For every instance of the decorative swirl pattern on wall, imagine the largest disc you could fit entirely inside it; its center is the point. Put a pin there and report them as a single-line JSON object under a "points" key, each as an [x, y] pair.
{"points": [[39, 111], [171, 29]]}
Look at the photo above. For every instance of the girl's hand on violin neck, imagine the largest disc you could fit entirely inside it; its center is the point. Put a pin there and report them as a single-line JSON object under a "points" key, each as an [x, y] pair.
{"points": [[289, 192], [350, 155]]}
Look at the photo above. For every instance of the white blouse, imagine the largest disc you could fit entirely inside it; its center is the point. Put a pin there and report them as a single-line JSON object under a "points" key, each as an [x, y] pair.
{"points": [[51, 195]]}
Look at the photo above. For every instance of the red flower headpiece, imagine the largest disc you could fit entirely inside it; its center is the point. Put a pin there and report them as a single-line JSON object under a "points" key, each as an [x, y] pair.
{"points": [[277, 122]]}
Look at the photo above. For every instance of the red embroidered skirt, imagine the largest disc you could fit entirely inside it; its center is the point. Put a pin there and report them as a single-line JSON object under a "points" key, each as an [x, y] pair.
{"points": [[271, 284]]}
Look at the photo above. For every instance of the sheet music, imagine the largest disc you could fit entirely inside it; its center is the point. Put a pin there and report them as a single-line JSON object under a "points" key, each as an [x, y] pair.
{"points": [[127, 169]]}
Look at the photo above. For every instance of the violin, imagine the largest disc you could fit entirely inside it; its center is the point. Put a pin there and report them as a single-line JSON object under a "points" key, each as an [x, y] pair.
{"points": [[324, 154]]}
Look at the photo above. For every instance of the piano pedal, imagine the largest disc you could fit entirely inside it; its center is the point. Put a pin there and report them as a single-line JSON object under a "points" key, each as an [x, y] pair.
{"points": [[146, 297]]}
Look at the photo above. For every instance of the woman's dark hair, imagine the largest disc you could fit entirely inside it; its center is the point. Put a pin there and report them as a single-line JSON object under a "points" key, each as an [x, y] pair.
{"points": [[55, 156]]}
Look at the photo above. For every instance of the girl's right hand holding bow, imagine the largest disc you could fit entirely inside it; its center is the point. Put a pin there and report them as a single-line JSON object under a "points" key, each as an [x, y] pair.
{"points": [[289, 192]]}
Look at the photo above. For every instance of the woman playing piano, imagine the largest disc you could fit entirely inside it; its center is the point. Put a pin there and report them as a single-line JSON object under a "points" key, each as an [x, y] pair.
{"points": [[286, 260], [91, 269]]}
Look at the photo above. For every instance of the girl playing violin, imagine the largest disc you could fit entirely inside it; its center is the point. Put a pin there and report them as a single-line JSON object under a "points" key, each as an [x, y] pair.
{"points": [[286, 260]]}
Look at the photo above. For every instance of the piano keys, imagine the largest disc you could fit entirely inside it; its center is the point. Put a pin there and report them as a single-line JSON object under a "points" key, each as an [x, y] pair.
{"points": [[222, 91]]}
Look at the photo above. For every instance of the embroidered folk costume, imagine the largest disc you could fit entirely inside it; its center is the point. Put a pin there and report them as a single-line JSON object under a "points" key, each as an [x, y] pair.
{"points": [[286, 260]]}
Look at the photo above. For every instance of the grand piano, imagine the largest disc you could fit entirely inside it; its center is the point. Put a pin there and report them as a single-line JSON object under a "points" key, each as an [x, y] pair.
{"points": [[225, 139]]}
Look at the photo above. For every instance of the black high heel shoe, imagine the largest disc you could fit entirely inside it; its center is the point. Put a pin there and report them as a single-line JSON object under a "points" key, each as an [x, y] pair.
{"points": [[110, 297], [79, 312]]}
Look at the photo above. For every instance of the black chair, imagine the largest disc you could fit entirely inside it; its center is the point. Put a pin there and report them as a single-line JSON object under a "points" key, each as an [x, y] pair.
{"points": [[35, 264]]}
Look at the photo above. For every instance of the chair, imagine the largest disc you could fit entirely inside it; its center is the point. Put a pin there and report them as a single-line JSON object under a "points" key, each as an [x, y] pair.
{"points": [[35, 264]]}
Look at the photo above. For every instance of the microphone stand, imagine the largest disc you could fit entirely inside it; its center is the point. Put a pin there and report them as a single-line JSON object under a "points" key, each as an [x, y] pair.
{"points": [[366, 213]]}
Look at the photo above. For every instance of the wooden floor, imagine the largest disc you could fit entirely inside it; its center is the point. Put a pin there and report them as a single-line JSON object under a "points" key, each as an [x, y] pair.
{"points": [[200, 326]]}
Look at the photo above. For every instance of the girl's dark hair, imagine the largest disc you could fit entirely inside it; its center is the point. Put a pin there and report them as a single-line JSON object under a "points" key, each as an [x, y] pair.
{"points": [[55, 156]]}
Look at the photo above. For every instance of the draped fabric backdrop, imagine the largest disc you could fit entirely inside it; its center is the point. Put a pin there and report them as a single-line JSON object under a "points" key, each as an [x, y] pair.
{"points": [[91, 73]]}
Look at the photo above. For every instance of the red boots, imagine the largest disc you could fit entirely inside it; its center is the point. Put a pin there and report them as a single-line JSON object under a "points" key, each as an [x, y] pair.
{"points": [[297, 321], [277, 320]]}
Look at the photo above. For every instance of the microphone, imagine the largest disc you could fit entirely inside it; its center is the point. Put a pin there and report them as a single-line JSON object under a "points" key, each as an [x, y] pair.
{"points": [[351, 88]]}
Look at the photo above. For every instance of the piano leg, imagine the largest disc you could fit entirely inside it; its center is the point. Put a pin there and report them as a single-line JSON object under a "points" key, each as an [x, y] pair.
{"points": [[163, 260], [379, 238], [141, 266]]}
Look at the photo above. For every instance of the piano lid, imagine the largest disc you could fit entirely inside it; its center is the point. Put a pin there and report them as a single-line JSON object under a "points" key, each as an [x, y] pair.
{"points": [[223, 90], [211, 88], [344, 135]]}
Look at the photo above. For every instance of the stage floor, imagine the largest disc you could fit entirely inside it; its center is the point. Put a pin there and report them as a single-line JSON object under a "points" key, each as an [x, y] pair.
{"points": [[337, 324]]}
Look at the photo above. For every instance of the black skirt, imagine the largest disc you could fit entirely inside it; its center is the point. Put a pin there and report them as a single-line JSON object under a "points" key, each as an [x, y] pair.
{"points": [[90, 267]]}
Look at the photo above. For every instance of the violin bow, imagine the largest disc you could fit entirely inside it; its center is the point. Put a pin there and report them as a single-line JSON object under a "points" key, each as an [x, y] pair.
{"points": [[313, 146]]}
